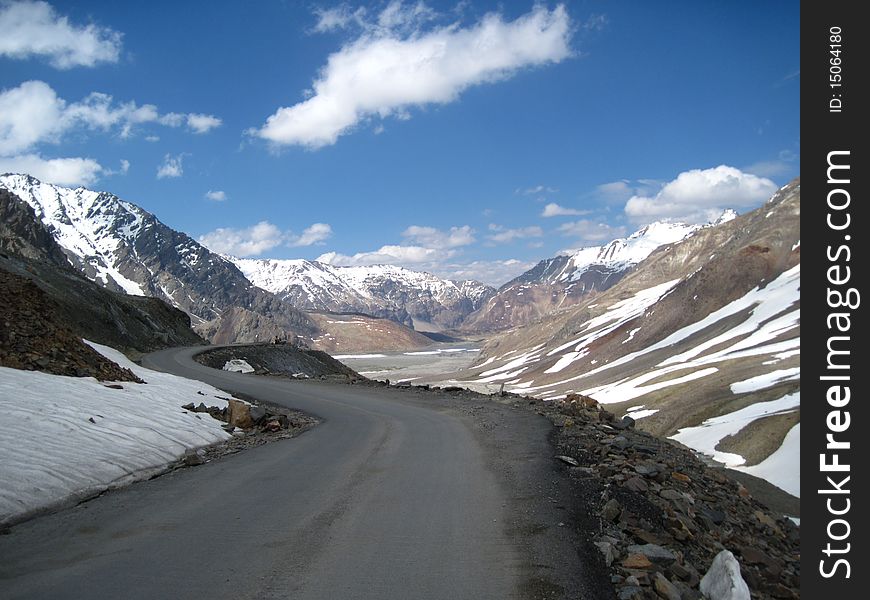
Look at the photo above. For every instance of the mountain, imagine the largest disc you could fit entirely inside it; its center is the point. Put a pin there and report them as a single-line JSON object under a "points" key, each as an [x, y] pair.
{"points": [[51, 293], [127, 249], [701, 341], [563, 281], [417, 299]]}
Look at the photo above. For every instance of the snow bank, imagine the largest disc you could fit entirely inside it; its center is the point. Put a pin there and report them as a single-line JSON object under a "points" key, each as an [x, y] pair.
{"points": [[63, 439]]}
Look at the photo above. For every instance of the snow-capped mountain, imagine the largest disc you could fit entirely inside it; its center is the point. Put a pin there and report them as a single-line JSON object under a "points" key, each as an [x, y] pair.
{"points": [[414, 298], [563, 281], [700, 341], [127, 249]]}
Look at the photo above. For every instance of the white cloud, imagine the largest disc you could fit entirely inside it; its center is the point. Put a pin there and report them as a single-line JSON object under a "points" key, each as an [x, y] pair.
{"points": [[199, 123], [699, 196], [32, 113], [29, 113], [504, 236], [216, 195], [386, 72], [60, 171], [250, 241], [554, 210], [262, 237], [435, 238], [315, 234], [171, 167], [592, 232], [389, 255], [35, 29], [152, 138]]}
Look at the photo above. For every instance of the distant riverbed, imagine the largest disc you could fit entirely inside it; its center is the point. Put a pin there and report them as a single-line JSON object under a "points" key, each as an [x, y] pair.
{"points": [[419, 366]]}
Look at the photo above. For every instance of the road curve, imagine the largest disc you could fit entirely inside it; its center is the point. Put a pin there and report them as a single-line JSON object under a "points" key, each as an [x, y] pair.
{"points": [[384, 499]]}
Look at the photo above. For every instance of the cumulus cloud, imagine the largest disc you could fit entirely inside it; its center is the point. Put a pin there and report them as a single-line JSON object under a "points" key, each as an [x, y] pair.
{"points": [[435, 238], [172, 167], [554, 210], [591, 232], [249, 241], [262, 237], [394, 66], [216, 195], [503, 235], [35, 29], [199, 123], [33, 113], [60, 171], [315, 234], [387, 255], [699, 196]]}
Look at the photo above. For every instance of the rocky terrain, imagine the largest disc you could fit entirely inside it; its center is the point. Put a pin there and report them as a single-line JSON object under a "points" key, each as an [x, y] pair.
{"points": [[416, 299], [34, 337], [660, 516]]}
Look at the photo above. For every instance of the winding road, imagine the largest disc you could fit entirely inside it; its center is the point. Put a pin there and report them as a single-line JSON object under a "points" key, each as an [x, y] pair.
{"points": [[391, 496]]}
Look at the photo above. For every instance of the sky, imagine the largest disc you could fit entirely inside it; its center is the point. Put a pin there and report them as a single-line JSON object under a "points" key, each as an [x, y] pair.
{"points": [[467, 139]]}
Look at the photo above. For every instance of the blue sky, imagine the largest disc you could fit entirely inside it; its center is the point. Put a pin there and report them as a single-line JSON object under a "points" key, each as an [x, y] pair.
{"points": [[470, 139]]}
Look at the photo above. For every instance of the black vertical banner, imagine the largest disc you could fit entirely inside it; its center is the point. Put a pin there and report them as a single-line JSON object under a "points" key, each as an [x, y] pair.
{"points": [[835, 439]]}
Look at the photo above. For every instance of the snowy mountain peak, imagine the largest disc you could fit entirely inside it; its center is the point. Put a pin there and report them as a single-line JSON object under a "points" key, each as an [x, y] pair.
{"points": [[90, 226], [413, 297]]}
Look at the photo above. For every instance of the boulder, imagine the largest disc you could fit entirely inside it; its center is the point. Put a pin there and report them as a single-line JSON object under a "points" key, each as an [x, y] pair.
{"points": [[665, 588], [723, 581], [257, 413], [239, 414], [655, 553]]}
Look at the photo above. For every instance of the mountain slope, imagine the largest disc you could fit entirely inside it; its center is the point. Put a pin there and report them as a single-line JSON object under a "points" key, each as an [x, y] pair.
{"points": [[131, 323], [704, 329], [563, 281], [127, 249], [414, 298]]}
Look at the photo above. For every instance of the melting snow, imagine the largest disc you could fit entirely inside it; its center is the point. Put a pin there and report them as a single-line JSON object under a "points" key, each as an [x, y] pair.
{"points": [[766, 380], [705, 437], [783, 467], [53, 453]]}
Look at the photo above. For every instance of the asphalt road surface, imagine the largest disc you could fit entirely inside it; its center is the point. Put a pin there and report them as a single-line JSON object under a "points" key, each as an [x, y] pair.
{"points": [[391, 496]]}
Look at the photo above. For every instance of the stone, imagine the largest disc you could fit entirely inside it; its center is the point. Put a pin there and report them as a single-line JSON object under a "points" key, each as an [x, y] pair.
{"points": [[636, 484], [681, 477], [665, 588], [654, 552], [637, 561], [239, 414], [191, 458], [568, 460], [672, 495], [753, 556], [630, 592], [257, 413], [625, 423], [611, 510], [609, 552], [646, 470], [188, 406], [716, 516], [621, 442], [723, 580]]}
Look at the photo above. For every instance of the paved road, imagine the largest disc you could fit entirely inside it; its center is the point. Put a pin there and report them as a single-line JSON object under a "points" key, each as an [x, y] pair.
{"points": [[384, 499]]}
